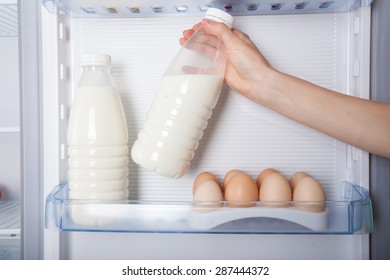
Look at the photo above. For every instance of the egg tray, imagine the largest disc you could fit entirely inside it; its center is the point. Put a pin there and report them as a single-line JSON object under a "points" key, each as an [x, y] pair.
{"points": [[350, 214], [209, 217]]}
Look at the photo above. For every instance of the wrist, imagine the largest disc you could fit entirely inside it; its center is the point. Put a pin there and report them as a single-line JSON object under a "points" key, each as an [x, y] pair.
{"points": [[265, 87]]}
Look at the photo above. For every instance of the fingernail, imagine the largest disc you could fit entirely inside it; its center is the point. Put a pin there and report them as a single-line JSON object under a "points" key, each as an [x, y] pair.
{"points": [[196, 26]]}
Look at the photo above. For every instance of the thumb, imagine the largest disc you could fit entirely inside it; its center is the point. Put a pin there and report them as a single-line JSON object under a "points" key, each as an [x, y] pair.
{"points": [[220, 30]]}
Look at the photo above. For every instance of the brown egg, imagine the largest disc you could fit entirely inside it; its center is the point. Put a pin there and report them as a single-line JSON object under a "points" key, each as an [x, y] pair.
{"points": [[241, 189], [229, 175], [309, 190], [208, 191], [263, 174], [295, 178], [208, 196], [204, 176], [275, 188]]}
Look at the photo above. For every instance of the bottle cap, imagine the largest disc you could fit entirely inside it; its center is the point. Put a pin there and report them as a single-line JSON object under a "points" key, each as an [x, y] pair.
{"points": [[96, 59], [219, 16]]}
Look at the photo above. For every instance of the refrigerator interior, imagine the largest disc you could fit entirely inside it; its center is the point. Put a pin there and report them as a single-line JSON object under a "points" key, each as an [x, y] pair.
{"points": [[10, 193], [324, 42]]}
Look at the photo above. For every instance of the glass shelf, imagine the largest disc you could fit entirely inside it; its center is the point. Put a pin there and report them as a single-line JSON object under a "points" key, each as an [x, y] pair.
{"points": [[350, 214], [140, 8]]}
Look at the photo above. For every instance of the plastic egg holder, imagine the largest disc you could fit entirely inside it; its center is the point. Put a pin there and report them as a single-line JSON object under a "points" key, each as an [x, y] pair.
{"points": [[209, 214]]}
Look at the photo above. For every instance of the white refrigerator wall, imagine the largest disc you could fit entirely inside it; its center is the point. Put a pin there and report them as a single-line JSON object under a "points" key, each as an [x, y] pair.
{"points": [[10, 175], [331, 50], [9, 119], [240, 134]]}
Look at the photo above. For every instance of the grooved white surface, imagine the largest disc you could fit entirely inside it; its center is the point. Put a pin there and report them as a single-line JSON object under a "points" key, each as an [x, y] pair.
{"points": [[240, 134], [9, 218], [8, 20]]}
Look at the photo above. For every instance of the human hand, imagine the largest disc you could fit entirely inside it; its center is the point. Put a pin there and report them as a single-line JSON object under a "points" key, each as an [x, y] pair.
{"points": [[247, 71], [359, 122]]}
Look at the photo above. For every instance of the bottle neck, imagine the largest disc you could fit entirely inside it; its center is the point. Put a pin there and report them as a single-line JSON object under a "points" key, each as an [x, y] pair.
{"points": [[105, 68], [96, 75]]}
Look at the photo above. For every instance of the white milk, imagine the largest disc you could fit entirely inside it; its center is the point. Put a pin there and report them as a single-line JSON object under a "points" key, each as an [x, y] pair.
{"points": [[97, 118], [175, 123], [97, 145]]}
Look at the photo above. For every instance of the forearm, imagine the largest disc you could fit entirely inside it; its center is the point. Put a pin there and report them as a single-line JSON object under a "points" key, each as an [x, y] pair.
{"points": [[359, 122]]}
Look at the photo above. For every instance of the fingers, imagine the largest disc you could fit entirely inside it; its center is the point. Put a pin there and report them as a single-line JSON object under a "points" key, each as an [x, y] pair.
{"points": [[202, 48], [219, 30], [186, 34], [242, 36], [208, 41], [189, 32], [197, 26], [182, 41]]}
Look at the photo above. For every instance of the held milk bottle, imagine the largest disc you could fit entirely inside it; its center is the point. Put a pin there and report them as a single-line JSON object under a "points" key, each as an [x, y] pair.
{"points": [[97, 135], [188, 92]]}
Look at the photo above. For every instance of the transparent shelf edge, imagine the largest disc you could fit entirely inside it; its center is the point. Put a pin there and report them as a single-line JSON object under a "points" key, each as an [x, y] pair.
{"points": [[138, 8], [9, 129], [351, 214]]}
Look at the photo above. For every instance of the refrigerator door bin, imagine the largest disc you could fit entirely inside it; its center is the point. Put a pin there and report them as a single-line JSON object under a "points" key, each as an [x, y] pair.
{"points": [[349, 214]]}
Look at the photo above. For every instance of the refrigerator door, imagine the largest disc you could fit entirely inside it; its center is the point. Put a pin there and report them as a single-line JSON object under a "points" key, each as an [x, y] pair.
{"points": [[31, 129], [380, 167]]}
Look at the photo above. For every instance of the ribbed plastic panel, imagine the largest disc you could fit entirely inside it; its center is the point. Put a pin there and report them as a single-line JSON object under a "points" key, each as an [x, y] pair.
{"points": [[9, 218], [8, 20], [240, 134]]}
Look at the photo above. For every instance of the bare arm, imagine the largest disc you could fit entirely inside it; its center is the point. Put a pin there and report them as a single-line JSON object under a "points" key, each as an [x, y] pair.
{"points": [[362, 123]]}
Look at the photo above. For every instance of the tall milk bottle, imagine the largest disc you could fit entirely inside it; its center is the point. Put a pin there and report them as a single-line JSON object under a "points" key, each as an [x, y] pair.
{"points": [[188, 92], [97, 135]]}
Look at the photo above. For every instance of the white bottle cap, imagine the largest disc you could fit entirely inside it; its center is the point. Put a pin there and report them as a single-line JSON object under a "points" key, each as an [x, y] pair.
{"points": [[96, 59], [219, 16]]}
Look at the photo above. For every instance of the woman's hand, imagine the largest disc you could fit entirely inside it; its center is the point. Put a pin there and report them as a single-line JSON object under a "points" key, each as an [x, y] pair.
{"points": [[246, 67], [359, 122]]}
